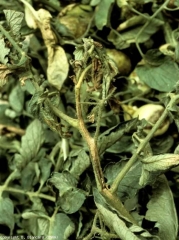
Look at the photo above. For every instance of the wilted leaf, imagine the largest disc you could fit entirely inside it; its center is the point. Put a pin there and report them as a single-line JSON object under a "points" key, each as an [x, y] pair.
{"points": [[4, 75], [14, 20], [7, 214], [112, 219], [80, 164], [58, 66], [154, 166], [32, 140], [161, 210], [102, 13]]}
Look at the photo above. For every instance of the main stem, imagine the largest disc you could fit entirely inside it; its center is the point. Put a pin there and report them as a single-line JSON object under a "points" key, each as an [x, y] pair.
{"points": [[85, 134]]}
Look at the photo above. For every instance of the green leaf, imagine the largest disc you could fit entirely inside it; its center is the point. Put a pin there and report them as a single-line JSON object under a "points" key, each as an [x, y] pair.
{"points": [[4, 52], [94, 2], [27, 176], [162, 77], [16, 98], [38, 226], [162, 145], [7, 213], [161, 209], [70, 198], [154, 166], [32, 140], [63, 182], [34, 103], [33, 214], [14, 20], [78, 53], [80, 164], [61, 226], [112, 135], [71, 201], [129, 185], [112, 219], [102, 13], [45, 169]]}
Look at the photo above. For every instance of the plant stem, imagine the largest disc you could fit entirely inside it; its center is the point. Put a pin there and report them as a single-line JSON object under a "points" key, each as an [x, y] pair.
{"points": [[30, 194], [142, 145], [147, 23], [86, 135], [72, 121]]}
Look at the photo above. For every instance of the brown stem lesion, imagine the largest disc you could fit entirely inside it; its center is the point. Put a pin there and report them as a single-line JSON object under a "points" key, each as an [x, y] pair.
{"points": [[112, 199], [95, 159]]}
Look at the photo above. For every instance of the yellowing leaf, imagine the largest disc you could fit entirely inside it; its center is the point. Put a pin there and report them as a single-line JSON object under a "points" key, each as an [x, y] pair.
{"points": [[58, 67]]}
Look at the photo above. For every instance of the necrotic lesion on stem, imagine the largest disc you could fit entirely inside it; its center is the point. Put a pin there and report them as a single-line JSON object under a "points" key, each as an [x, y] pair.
{"points": [[95, 159]]}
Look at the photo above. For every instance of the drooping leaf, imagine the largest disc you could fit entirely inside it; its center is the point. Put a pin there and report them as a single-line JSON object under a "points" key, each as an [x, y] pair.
{"points": [[80, 164], [7, 214], [58, 67], [14, 20], [161, 210], [154, 166], [102, 13], [116, 224]]}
